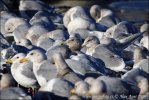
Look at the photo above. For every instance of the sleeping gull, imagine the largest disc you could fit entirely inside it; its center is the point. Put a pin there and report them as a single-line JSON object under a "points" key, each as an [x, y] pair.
{"points": [[101, 51], [104, 17], [58, 86], [13, 23]]}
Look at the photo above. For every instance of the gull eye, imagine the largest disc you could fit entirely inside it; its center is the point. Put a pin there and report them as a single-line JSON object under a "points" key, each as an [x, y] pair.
{"points": [[19, 42], [89, 40], [17, 57], [111, 56], [53, 63], [72, 40], [31, 53]]}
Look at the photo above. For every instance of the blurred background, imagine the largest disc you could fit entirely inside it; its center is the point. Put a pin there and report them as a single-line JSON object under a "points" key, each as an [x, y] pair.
{"points": [[131, 10]]}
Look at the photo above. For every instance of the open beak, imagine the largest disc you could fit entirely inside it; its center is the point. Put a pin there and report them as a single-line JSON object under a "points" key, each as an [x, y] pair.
{"points": [[23, 60], [9, 61], [72, 91]]}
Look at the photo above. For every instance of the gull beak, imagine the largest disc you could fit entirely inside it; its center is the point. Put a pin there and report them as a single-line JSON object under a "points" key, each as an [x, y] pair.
{"points": [[9, 61], [83, 45], [88, 94], [23, 60], [72, 91]]}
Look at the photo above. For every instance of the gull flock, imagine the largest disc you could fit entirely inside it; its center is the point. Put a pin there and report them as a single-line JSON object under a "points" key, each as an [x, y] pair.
{"points": [[83, 54]]}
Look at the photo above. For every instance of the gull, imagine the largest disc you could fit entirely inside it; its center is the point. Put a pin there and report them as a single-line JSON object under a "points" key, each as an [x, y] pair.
{"points": [[23, 72]]}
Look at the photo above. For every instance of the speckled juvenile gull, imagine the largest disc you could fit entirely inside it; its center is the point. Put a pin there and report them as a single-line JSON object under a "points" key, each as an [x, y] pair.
{"points": [[22, 72], [14, 93], [58, 86], [6, 81], [28, 8], [64, 70], [139, 77], [36, 31], [74, 42]]}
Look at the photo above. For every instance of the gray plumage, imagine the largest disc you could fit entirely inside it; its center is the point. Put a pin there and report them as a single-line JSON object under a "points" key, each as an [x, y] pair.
{"points": [[14, 93]]}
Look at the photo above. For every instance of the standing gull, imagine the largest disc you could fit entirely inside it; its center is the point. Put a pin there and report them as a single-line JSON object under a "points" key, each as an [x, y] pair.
{"points": [[42, 68], [22, 72]]}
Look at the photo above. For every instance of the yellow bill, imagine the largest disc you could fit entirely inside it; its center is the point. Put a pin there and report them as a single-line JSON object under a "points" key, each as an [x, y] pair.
{"points": [[9, 61], [72, 91], [23, 60]]}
